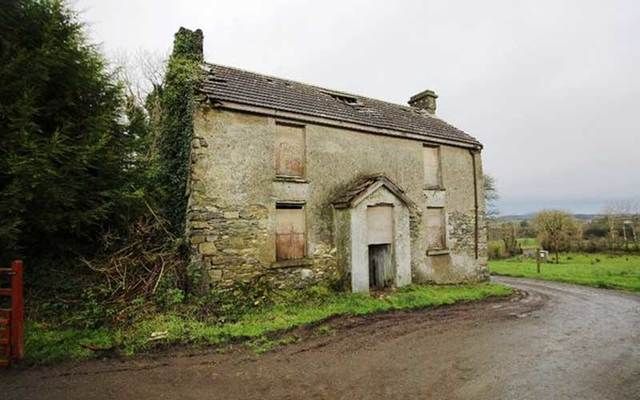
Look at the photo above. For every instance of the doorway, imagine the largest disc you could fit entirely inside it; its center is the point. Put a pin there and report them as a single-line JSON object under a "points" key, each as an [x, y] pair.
{"points": [[373, 233], [379, 242], [380, 266]]}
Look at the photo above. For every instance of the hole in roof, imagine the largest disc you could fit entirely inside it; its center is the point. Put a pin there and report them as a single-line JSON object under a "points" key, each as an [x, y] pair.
{"points": [[270, 80], [215, 79], [344, 98]]}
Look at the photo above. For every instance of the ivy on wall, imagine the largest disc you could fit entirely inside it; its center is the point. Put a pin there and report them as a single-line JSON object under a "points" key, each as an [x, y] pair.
{"points": [[177, 105]]}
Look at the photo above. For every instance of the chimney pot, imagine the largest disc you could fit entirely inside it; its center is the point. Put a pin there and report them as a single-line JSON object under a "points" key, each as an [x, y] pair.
{"points": [[425, 100]]}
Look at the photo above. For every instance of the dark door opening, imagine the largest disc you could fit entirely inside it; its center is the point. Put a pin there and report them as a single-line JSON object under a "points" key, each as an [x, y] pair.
{"points": [[380, 266]]}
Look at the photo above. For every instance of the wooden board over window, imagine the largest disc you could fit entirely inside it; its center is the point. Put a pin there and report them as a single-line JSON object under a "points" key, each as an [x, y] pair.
{"points": [[290, 232], [435, 225], [380, 224], [431, 162], [290, 150]]}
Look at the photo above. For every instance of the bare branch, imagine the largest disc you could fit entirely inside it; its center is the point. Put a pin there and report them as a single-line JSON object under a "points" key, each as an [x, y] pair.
{"points": [[140, 71]]}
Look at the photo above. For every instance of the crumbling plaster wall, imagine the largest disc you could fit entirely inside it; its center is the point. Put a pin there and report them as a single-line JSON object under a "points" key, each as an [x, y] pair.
{"points": [[459, 263], [233, 193]]}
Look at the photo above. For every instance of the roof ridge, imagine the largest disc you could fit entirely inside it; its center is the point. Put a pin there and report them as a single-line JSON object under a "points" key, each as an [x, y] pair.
{"points": [[241, 86], [405, 106]]}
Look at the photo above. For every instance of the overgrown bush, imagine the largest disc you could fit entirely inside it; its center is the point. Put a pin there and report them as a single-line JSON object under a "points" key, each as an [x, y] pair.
{"points": [[68, 166], [143, 272], [496, 250], [92, 190], [229, 303], [176, 100]]}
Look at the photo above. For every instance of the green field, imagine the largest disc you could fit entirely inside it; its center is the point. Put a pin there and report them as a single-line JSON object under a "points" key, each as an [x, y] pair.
{"points": [[597, 270]]}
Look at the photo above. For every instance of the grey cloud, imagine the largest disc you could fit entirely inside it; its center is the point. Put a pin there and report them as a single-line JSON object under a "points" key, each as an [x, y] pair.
{"points": [[550, 87]]}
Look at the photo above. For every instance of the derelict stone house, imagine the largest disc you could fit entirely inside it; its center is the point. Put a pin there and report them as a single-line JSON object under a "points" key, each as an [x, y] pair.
{"points": [[302, 184]]}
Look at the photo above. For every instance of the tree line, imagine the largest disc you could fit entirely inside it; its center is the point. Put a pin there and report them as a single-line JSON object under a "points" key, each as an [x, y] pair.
{"points": [[559, 231], [91, 197], [615, 229]]}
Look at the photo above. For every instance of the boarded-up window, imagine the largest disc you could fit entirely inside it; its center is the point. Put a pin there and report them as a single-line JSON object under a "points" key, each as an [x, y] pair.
{"points": [[435, 225], [290, 232], [290, 150], [431, 162], [380, 224]]}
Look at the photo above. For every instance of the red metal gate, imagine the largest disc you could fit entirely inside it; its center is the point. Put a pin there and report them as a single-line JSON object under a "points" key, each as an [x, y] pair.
{"points": [[12, 318]]}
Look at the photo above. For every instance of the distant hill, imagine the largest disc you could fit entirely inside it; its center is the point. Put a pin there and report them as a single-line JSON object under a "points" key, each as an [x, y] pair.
{"points": [[529, 216]]}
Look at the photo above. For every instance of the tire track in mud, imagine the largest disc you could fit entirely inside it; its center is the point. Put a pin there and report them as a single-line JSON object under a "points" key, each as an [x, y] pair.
{"points": [[546, 341]]}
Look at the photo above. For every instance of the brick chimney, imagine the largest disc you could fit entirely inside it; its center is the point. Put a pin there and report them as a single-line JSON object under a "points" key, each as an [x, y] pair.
{"points": [[424, 100]]}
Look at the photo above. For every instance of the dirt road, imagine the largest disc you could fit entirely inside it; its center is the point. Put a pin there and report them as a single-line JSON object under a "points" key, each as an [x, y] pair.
{"points": [[553, 341]]}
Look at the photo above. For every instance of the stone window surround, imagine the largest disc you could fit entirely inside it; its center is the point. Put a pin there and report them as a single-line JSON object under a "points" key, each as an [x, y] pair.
{"points": [[440, 185], [438, 252], [305, 261], [297, 262], [445, 248], [439, 191], [293, 178]]}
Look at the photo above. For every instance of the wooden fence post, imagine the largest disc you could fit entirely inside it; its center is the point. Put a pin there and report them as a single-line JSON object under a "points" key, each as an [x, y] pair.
{"points": [[538, 259], [17, 311]]}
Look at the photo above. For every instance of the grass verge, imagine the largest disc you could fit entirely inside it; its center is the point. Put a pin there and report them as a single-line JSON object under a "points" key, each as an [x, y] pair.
{"points": [[47, 344], [596, 270]]}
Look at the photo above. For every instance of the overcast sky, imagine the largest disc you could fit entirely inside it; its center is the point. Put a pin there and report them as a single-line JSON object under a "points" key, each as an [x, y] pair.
{"points": [[551, 88]]}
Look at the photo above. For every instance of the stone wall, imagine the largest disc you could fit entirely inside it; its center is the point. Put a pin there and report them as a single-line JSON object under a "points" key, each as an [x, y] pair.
{"points": [[234, 190], [459, 263]]}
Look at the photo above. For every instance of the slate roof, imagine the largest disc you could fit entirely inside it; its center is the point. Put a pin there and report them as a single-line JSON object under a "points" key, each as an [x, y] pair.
{"points": [[238, 86], [361, 186]]}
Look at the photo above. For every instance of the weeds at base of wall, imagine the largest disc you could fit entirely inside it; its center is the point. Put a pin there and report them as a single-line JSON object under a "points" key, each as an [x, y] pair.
{"points": [[48, 343]]}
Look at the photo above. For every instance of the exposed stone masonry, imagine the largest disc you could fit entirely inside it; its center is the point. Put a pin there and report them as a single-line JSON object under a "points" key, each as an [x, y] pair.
{"points": [[233, 193]]}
